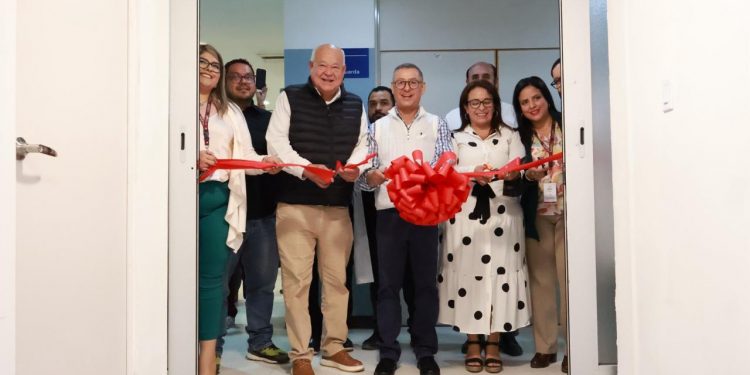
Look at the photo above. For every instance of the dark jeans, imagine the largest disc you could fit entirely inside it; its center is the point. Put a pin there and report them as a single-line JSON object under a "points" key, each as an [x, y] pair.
{"points": [[368, 202], [401, 243], [259, 266]]}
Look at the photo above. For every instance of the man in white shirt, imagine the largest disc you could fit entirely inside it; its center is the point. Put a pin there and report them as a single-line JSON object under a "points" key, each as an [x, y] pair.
{"points": [[406, 127], [317, 124], [487, 72]]}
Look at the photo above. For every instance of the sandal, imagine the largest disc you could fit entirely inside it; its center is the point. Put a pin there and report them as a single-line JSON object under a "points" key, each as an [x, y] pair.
{"points": [[491, 364], [474, 364]]}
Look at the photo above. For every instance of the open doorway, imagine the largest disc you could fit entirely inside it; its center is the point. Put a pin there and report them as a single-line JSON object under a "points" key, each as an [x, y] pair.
{"points": [[388, 48]]}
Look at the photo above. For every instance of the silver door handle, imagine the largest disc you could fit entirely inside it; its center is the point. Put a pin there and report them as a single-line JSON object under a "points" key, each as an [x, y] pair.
{"points": [[23, 148]]}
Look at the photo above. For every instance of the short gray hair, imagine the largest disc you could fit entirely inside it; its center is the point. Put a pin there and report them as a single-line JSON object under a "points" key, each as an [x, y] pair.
{"points": [[409, 66]]}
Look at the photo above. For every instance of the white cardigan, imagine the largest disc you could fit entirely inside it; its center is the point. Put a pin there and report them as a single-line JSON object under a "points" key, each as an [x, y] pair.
{"points": [[242, 148]]}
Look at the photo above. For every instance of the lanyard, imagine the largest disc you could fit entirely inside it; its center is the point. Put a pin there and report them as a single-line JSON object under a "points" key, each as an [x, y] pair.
{"points": [[204, 122], [548, 148]]}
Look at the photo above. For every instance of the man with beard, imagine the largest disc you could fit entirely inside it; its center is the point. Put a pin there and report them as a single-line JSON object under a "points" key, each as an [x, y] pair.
{"points": [[256, 263]]}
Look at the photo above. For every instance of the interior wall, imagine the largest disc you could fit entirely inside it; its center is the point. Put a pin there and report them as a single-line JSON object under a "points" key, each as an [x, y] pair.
{"points": [[680, 189], [249, 29], [445, 37]]}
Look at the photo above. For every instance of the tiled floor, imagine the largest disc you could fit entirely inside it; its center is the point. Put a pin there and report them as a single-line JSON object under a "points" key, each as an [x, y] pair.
{"points": [[449, 357]]}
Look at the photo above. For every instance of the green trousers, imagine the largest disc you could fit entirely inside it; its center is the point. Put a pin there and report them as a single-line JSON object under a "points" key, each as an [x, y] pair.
{"points": [[213, 254]]}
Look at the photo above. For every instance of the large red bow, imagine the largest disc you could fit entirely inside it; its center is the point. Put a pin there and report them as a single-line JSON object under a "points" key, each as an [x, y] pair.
{"points": [[424, 195]]}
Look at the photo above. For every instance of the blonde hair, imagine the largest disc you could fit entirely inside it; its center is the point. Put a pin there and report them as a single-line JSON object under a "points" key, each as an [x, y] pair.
{"points": [[218, 94]]}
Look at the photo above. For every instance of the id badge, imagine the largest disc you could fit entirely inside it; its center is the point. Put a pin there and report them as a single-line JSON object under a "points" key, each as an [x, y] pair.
{"points": [[550, 192]]}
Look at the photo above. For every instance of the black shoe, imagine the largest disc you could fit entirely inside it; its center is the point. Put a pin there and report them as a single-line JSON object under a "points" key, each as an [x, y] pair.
{"points": [[314, 345], [348, 345], [386, 366], [371, 343], [509, 345], [428, 366], [541, 360], [564, 367]]}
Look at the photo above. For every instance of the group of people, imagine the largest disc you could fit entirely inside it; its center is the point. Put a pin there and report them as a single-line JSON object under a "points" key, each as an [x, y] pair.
{"points": [[495, 267]]}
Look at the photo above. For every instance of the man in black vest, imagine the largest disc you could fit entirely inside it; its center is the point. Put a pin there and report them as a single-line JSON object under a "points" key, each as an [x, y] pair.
{"points": [[317, 124]]}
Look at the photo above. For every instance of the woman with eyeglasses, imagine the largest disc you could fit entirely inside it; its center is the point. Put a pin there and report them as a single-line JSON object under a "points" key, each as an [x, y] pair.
{"points": [[540, 127], [222, 200], [483, 276]]}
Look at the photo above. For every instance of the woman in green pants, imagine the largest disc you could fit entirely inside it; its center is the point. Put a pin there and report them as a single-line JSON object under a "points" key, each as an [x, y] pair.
{"points": [[222, 200]]}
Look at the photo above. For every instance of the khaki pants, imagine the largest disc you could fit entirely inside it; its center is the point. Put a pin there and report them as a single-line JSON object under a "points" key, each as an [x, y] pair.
{"points": [[546, 262], [300, 230]]}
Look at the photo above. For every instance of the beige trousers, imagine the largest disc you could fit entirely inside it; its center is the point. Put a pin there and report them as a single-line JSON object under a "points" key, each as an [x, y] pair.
{"points": [[546, 262], [300, 230]]}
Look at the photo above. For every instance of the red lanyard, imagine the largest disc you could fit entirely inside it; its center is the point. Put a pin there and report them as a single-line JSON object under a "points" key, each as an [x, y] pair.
{"points": [[204, 122], [548, 148]]}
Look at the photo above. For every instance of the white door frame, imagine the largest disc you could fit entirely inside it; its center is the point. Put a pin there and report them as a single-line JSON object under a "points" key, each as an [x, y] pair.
{"points": [[147, 176], [183, 223], [580, 211]]}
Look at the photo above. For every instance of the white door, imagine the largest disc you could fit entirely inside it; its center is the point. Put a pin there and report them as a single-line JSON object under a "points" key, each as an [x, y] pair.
{"points": [[70, 210], [83, 236]]}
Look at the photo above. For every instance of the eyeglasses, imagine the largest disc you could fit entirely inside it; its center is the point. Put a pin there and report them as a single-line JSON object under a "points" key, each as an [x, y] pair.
{"points": [[239, 78], [413, 84], [555, 82], [210, 66], [476, 102]]}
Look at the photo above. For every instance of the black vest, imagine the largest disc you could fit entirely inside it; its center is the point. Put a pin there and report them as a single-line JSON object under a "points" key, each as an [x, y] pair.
{"points": [[321, 134]]}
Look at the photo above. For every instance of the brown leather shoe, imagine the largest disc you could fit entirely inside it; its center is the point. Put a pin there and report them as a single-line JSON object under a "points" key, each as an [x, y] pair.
{"points": [[342, 361], [543, 360], [565, 364], [302, 367]]}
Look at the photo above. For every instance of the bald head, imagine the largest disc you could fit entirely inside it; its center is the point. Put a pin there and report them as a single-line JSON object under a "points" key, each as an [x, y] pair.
{"points": [[327, 70], [327, 47], [484, 71]]}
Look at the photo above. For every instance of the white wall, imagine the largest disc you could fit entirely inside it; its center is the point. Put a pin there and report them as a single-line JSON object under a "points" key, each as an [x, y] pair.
{"points": [[444, 37], [680, 184], [345, 23], [247, 29]]}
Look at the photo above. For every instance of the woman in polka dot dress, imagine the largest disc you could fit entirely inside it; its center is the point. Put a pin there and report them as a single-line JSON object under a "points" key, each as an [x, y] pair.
{"points": [[483, 278]]}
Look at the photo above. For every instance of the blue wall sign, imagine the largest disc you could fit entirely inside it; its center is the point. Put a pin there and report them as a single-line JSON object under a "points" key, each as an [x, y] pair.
{"points": [[357, 62]]}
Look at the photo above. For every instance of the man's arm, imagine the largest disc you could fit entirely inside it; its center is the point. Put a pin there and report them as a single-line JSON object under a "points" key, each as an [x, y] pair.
{"points": [[443, 142], [361, 149], [277, 137], [372, 148]]}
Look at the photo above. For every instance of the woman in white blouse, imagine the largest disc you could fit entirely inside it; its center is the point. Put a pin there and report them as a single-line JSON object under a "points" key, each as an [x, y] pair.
{"points": [[222, 199], [483, 277]]}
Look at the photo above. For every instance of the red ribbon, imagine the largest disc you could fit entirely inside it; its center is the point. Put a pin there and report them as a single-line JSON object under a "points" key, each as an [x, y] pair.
{"points": [[427, 196], [325, 174], [513, 166]]}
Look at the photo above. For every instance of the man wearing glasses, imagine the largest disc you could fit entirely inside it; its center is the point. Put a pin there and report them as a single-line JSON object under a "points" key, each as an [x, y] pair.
{"points": [[256, 263], [406, 127], [488, 72], [556, 73]]}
